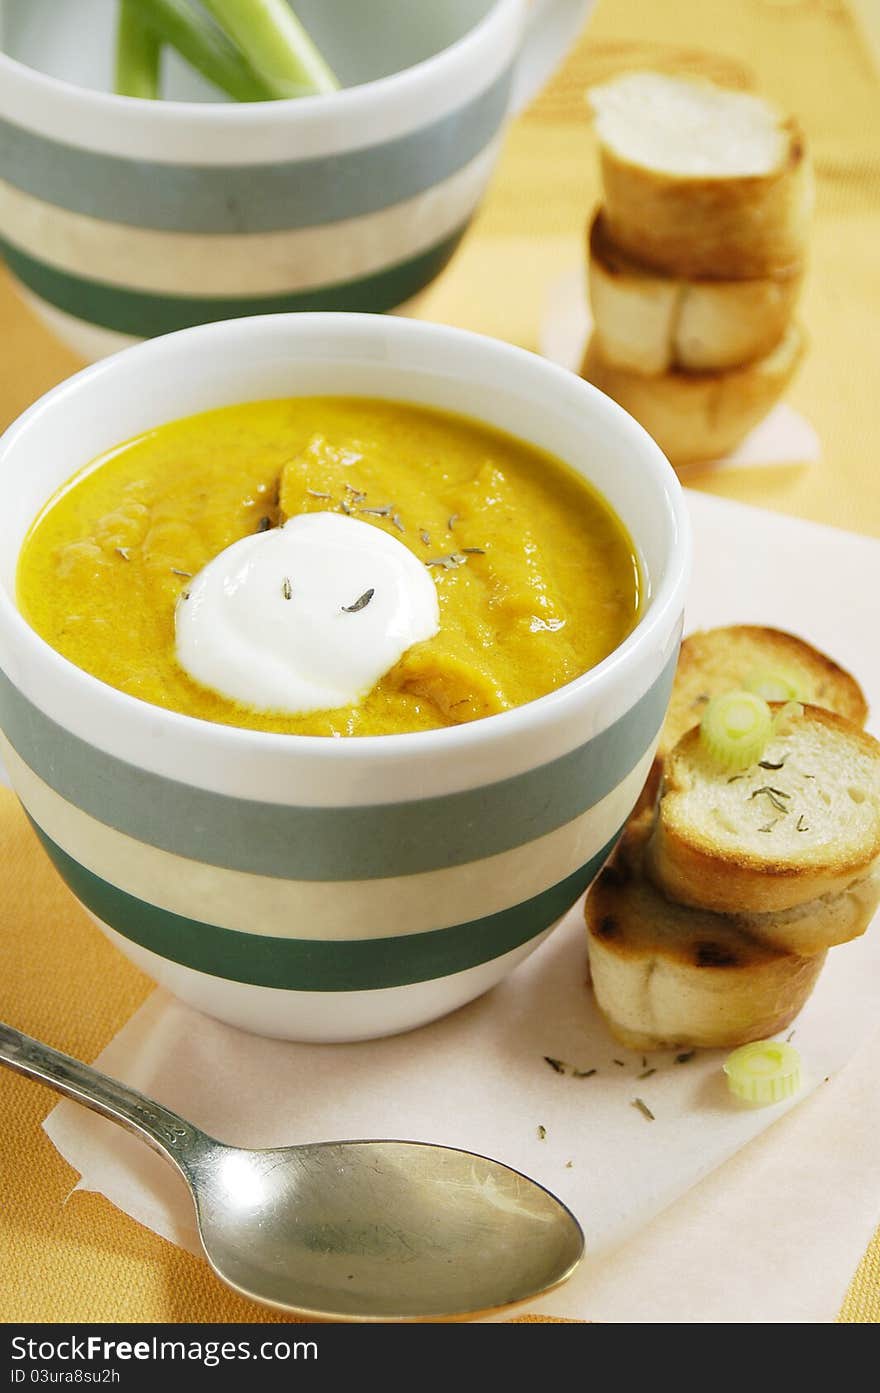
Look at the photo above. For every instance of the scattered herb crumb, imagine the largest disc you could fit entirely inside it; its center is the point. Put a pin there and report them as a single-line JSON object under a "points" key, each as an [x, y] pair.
{"points": [[384, 512], [583, 1073], [313, 493], [644, 1062], [453, 519], [801, 825], [733, 778], [619, 1062], [124, 552], [768, 764], [287, 588], [426, 537], [474, 551], [643, 1108], [542, 1132], [685, 1056], [789, 1037], [568, 1165], [770, 825], [396, 521], [556, 1065], [264, 524], [177, 572], [646, 1073]]}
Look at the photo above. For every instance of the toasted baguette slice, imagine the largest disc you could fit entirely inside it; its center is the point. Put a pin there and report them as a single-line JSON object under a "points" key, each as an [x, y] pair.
{"points": [[701, 181], [721, 660], [667, 976], [698, 416], [769, 839], [648, 323]]}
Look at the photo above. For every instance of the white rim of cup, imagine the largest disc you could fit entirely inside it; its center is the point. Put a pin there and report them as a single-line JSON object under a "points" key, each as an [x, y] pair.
{"points": [[666, 601], [348, 102]]}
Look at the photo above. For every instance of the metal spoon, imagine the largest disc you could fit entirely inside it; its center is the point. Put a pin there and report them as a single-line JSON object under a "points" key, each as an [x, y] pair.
{"points": [[347, 1230]]}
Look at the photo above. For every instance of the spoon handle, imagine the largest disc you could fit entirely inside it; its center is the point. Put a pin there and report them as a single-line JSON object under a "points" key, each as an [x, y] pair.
{"points": [[172, 1136]]}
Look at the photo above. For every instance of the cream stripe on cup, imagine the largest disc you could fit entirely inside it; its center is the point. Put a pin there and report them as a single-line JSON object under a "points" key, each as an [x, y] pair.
{"points": [[255, 263], [314, 909]]}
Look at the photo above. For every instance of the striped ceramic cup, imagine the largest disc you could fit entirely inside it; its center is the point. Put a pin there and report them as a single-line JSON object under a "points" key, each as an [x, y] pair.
{"points": [[326, 889], [122, 219]]}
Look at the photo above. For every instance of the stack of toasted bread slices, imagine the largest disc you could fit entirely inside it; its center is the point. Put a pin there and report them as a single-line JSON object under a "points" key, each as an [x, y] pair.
{"points": [[711, 923], [696, 258]]}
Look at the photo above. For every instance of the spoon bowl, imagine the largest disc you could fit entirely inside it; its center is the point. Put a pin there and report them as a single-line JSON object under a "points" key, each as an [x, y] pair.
{"points": [[349, 1230]]}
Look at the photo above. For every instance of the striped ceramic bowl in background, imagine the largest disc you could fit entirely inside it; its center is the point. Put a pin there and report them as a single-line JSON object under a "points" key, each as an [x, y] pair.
{"points": [[122, 219], [325, 889]]}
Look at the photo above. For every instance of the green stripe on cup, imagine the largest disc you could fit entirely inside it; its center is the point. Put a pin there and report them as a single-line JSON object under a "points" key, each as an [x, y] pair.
{"points": [[145, 314], [320, 965], [368, 842], [254, 197]]}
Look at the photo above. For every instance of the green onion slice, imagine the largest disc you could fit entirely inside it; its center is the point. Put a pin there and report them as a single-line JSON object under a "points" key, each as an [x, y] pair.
{"points": [[735, 728], [774, 684], [766, 1071]]}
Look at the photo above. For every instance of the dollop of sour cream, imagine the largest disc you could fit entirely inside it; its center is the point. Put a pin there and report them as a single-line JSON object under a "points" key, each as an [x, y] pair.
{"points": [[304, 617]]}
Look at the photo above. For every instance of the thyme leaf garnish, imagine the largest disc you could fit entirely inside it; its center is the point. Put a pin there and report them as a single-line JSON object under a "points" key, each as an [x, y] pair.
{"points": [[473, 551], [175, 571], [768, 764], [801, 824], [685, 1056], [313, 493], [770, 825], [426, 537], [555, 1064], [287, 588], [396, 522], [357, 495], [450, 562], [775, 795], [646, 1073], [344, 508], [384, 512], [264, 524], [583, 1073], [361, 602], [451, 521], [620, 1062], [124, 552], [542, 1132], [643, 1108]]}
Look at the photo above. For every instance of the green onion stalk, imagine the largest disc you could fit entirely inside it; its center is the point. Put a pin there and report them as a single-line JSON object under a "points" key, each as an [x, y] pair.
{"points": [[138, 54], [276, 45], [205, 47]]}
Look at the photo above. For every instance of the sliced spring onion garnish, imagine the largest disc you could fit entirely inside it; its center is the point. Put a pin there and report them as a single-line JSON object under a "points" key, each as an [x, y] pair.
{"points": [[766, 1071], [735, 728], [774, 684]]}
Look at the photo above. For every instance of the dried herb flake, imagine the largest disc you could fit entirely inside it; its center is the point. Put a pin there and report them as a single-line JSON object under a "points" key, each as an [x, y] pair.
{"points": [[360, 603], [556, 1065], [643, 1108]]}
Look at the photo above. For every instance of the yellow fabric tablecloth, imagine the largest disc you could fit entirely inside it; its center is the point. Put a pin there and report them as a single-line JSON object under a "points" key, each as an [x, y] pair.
{"points": [[73, 1257]]}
